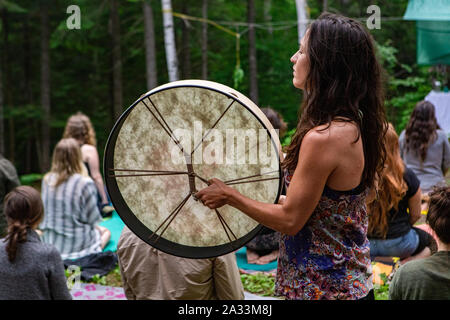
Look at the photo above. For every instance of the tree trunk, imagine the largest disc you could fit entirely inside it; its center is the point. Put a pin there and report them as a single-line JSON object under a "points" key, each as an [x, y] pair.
{"points": [[2, 63], [267, 16], [169, 41], [2, 128], [205, 41], [45, 87], [150, 49], [6, 92], [28, 92], [325, 5], [185, 39], [252, 52], [116, 59], [302, 18]]}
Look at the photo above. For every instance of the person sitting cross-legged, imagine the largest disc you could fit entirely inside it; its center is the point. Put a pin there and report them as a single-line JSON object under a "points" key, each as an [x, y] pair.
{"points": [[70, 201], [396, 209], [29, 269]]}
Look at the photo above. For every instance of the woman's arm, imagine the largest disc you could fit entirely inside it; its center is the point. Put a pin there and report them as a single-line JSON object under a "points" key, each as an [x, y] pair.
{"points": [[317, 160], [90, 154], [414, 205]]}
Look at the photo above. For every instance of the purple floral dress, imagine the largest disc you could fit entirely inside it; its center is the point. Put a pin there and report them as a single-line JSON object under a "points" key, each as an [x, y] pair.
{"points": [[329, 258]]}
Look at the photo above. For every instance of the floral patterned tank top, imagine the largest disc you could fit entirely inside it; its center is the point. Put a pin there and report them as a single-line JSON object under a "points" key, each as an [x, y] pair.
{"points": [[329, 257]]}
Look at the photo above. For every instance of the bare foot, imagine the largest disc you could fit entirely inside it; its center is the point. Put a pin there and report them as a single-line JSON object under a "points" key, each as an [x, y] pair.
{"points": [[252, 256], [268, 258]]}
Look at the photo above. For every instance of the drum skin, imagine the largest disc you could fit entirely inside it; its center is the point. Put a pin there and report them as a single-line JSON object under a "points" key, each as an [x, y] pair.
{"points": [[167, 145]]}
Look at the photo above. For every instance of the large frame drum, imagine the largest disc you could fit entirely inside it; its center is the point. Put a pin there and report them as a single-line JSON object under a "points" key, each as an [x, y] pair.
{"points": [[168, 144]]}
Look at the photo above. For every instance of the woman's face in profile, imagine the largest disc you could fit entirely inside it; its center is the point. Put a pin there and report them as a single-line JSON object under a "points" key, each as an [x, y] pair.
{"points": [[301, 65]]}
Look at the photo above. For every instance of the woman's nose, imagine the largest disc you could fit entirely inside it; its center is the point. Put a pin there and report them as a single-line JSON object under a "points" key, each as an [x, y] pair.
{"points": [[294, 58]]}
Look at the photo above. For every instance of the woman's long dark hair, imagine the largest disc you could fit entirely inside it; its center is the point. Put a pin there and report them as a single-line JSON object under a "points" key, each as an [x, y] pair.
{"points": [[23, 209], [421, 129], [344, 80]]}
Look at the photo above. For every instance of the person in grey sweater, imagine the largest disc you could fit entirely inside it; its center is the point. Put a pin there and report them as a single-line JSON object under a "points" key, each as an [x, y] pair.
{"points": [[425, 148], [29, 268]]}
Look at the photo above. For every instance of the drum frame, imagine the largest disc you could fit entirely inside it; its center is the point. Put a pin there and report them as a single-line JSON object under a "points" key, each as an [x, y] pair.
{"points": [[130, 219]]}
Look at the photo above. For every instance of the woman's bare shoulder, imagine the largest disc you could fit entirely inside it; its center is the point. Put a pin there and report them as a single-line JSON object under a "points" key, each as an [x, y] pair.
{"points": [[337, 132], [88, 148]]}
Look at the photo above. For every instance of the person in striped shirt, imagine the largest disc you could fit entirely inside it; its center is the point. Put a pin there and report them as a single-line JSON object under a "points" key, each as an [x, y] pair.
{"points": [[70, 204]]}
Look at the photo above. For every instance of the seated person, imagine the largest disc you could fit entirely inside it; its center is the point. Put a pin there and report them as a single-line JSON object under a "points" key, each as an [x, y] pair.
{"points": [[428, 279], [263, 248], [8, 181], [29, 269], [425, 148], [80, 128], [391, 232], [70, 203], [150, 274]]}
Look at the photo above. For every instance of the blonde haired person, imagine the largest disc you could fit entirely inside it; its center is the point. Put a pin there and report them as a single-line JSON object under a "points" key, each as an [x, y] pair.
{"points": [[70, 202], [80, 128], [396, 208]]}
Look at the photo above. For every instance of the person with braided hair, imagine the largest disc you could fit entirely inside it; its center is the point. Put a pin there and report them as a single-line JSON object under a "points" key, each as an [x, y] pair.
{"points": [[29, 268]]}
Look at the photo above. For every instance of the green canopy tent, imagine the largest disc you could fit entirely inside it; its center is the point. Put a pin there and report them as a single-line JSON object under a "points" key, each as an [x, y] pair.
{"points": [[433, 30]]}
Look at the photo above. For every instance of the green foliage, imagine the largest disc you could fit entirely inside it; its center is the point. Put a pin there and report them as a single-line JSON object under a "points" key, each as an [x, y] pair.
{"points": [[99, 280], [11, 7], [406, 85], [259, 283], [30, 179], [81, 62], [287, 138], [382, 291], [238, 76]]}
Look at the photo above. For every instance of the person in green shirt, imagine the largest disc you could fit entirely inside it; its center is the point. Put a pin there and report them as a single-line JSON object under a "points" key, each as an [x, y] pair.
{"points": [[8, 181], [429, 278]]}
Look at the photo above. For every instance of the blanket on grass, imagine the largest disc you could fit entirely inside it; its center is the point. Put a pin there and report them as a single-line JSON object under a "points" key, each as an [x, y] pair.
{"points": [[115, 225], [89, 291]]}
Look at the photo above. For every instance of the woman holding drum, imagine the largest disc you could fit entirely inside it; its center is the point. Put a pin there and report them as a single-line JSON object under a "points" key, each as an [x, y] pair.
{"points": [[330, 166]]}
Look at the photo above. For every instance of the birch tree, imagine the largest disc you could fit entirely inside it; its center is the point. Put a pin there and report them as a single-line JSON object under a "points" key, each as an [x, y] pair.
{"points": [[169, 41], [302, 18]]}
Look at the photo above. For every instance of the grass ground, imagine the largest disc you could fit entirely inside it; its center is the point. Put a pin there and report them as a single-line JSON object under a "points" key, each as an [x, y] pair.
{"points": [[261, 284]]}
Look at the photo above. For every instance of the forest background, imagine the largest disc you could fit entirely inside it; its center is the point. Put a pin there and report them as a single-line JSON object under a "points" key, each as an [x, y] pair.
{"points": [[48, 71]]}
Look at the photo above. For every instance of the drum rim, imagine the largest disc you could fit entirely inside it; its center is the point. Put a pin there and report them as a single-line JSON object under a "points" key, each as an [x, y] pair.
{"points": [[130, 219]]}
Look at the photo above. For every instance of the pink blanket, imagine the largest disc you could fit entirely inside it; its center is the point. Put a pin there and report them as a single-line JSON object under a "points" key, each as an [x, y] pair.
{"points": [[89, 291]]}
